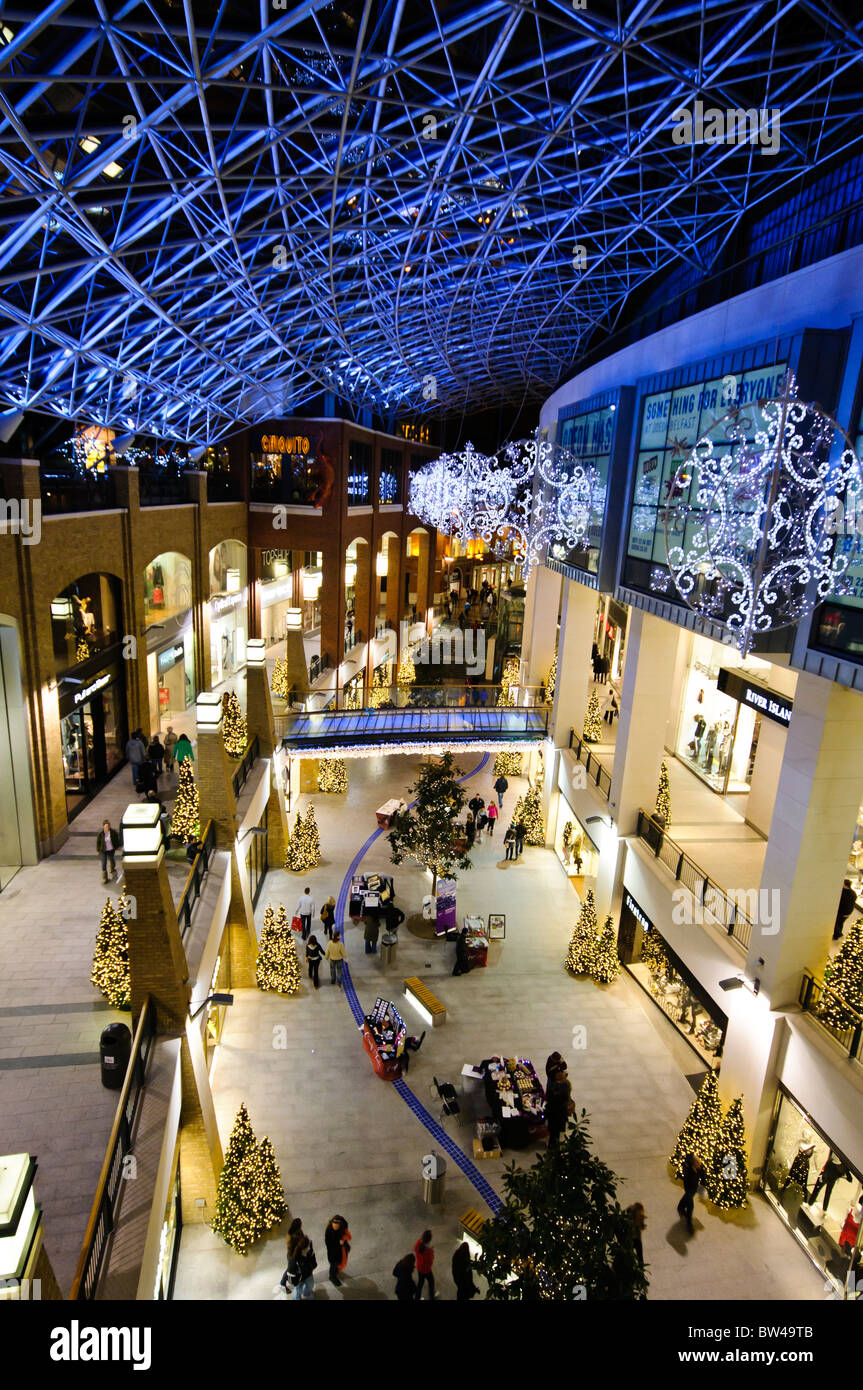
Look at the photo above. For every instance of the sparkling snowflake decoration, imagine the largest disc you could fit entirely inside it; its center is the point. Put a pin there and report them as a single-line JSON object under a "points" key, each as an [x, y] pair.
{"points": [[753, 526], [536, 494]]}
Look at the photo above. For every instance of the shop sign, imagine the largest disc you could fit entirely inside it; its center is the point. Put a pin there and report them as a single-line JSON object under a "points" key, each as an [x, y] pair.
{"points": [[227, 602], [758, 697], [640, 916], [169, 657], [284, 444], [84, 694], [272, 557]]}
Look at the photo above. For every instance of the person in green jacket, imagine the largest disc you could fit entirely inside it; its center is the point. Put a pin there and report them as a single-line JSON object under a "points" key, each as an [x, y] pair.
{"points": [[183, 749]]}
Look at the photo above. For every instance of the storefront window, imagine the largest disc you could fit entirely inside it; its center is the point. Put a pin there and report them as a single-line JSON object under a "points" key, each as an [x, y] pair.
{"points": [[167, 587], [390, 477], [276, 592], [817, 1192], [256, 859], [168, 1243], [359, 472], [352, 693], [92, 734], [228, 610], [651, 961], [85, 620]]}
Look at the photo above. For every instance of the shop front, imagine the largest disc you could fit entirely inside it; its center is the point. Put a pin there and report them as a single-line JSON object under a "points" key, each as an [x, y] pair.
{"points": [[93, 732], [610, 636], [169, 1243], [229, 620], [276, 588], [661, 974], [817, 1192], [256, 859], [573, 845], [721, 720]]}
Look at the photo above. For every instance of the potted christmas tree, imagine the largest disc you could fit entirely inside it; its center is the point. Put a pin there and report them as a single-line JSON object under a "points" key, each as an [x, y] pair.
{"points": [[701, 1128], [662, 813], [592, 731], [277, 967], [583, 940], [250, 1199], [604, 965], [235, 732]]}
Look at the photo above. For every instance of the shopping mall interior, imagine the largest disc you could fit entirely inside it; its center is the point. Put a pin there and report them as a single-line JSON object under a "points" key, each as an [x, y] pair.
{"points": [[431, 653]]}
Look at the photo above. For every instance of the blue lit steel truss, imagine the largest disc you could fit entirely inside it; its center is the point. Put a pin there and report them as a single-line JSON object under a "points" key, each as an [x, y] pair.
{"points": [[211, 212]]}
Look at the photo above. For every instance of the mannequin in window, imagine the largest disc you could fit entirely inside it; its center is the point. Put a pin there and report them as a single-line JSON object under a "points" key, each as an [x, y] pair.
{"points": [[697, 735], [834, 1171], [725, 747], [848, 1234], [710, 745], [799, 1170]]}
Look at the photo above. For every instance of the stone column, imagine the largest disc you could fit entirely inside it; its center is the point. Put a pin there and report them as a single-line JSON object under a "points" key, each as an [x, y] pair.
{"points": [[259, 707], [814, 815], [219, 804], [648, 679], [574, 672], [540, 623], [157, 961], [395, 549]]}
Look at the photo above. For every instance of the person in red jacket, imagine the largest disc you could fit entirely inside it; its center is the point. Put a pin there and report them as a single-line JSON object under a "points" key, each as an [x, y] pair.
{"points": [[425, 1260]]}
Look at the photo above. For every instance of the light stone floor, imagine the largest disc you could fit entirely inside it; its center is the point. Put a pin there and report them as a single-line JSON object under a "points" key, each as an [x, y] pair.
{"points": [[346, 1141]]}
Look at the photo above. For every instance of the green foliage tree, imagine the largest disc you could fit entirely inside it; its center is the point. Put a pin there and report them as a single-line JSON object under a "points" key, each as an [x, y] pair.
{"points": [[561, 1233], [427, 832]]}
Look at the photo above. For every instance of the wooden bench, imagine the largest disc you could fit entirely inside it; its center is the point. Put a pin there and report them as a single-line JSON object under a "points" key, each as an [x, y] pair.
{"points": [[472, 1224], [418, 993]]}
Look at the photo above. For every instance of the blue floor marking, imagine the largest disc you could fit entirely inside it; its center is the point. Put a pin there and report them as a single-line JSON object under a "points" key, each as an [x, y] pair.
{"points": [[440, 1136]]}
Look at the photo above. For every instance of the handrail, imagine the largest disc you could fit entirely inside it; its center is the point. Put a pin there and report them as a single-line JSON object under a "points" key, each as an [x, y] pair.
{"points": [[706, 893], [407, 723], [200, 867], [812, 991], [102, 1213], [595, 769], [241, 776]]}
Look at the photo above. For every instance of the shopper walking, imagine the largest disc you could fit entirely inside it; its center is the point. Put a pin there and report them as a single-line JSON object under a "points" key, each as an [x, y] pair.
{"points": [[470, 830], [491, 813], [847, 904], [520, 831], [559, 1104], [425, 1259], [336, 954], [638, 1221], [328, 916], [693, 1177], [156, 754], [500, 787], [107, 844], [170, 745], [301, 1268], [462, 1274], [314, 956], [136, 755], [462, 960], [337, 1239], [183, 750], [371, 931], [403, 1273], [475, 805], [393, 917], [305, 911], [509, 841]]}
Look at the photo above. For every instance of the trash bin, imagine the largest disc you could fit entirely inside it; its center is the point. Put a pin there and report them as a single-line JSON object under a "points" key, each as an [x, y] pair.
{"points": [[388, 948], [434, 1178], [115, 1049]]}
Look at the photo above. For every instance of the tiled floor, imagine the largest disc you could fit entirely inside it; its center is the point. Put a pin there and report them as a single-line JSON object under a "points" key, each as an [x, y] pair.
{"points": [[346, 1141]]}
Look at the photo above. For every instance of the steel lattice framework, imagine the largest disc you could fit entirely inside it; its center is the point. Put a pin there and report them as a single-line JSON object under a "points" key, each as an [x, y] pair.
{"points": [[212, 212]]}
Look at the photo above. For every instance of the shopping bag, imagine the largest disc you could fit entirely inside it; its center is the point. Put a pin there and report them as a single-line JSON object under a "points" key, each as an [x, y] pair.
{"points": [[296, 924]]}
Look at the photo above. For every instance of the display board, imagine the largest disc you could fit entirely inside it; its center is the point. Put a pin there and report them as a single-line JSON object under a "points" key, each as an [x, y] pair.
{"points": [[588, 435]]}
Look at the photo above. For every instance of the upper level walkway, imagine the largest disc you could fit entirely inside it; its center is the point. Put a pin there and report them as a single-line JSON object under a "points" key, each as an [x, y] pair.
{"points": [[397, 730]]}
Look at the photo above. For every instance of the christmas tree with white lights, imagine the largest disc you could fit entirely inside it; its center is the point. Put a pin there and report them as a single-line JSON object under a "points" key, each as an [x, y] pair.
{"points": [[727, 1175], [662, 811], [507, 765], [380, 688], [279, 682], [185, 815], [235, 731], [604, 964], [841, 1003], [583, 940], [592, 731], [277, 967], [250, 1198], [313, 838], [333, 775], [702, 1127], [551, 681], [407, 672], [508, 680], [304, 847], [110, 971], [528, 810]]}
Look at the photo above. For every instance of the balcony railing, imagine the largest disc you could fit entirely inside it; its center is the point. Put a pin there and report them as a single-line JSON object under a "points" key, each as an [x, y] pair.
{"points": [[600, 775], [318, 665], [195, 881], [63, 493], [161, 487], [241, 776], [706, 894], [815, 996], [111, 1180]]}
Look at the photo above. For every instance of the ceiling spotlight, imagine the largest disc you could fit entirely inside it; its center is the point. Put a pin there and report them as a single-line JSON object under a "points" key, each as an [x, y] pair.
{"points": [[197, 453], [121, 443], [9, 422]]}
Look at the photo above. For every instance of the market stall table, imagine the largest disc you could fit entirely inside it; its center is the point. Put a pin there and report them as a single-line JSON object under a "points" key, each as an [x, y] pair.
{"points": [[476, 942], [386, 813], [384, 1035], [516, 1099], [369, 894]]}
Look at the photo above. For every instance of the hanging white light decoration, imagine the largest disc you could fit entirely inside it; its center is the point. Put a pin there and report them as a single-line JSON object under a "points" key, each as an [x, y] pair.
{"points": [[539, 494], [751, 525]]}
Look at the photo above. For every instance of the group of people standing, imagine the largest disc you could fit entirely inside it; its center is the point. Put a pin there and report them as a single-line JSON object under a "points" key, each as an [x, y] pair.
{"points": [[148, 759], [334, 952], [299, 1275], [482, 817], [421, 1260]]}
